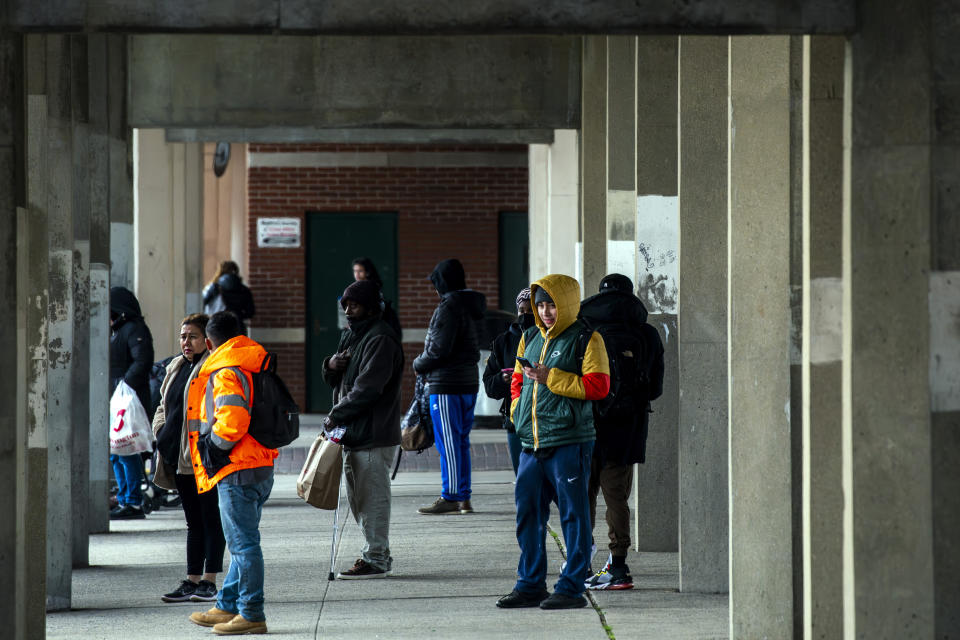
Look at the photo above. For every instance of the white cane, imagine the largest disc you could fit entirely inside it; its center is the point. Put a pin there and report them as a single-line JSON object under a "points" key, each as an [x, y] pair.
{"points": [[336, 523]]}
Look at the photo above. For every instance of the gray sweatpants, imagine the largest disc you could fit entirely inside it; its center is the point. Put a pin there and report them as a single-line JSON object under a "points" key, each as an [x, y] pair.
{"points": [[368, 490]]}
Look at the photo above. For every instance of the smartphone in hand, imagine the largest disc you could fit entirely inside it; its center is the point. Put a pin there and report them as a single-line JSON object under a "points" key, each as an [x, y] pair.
{"points": [[525, 363]]}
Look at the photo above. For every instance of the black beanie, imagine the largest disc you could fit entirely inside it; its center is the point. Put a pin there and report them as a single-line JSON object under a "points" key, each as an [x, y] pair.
{"points": [[364, 292], [541, 296]]}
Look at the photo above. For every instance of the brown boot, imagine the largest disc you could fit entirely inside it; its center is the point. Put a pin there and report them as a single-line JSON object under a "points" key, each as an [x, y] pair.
{"points": [[239, 626], [442, 507], [212, 617], [466, 507]]}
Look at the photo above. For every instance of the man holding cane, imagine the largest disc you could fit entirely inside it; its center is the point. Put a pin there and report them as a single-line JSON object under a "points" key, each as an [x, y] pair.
{"points": [[365, 374]]}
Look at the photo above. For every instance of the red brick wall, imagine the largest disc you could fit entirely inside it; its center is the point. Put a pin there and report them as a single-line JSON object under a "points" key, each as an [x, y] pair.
{"points": [[442, 212]]}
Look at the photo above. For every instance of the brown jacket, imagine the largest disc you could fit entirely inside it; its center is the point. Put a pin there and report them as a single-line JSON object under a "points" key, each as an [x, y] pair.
{"points": [[161, 476]]}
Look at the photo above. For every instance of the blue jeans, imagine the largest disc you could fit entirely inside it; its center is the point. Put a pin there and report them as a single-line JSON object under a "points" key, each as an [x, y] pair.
{"points": [[128, 471], [452, 416], [240, 510], [564, 476]]}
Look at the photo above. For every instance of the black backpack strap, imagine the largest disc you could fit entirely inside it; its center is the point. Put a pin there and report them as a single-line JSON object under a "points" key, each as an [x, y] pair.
{"points": [[269, 363], [583, 340]]}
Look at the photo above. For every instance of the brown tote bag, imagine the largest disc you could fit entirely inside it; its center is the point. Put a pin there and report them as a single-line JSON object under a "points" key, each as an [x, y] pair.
{"points": [[319, 481]]}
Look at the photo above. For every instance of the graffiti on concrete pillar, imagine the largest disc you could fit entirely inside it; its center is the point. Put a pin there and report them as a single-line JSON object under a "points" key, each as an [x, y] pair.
{"points": [[658, 242]]}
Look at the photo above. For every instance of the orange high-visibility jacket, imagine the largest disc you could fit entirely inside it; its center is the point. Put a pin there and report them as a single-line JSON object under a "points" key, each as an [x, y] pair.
{"points": [[218, 402]]}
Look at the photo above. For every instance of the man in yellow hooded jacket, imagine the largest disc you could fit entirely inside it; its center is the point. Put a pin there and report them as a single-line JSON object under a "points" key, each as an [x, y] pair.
{"points": [[553, 415], [227, 458]]}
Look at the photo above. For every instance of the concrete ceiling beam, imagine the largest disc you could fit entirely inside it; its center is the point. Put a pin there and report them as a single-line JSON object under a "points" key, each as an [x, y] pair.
{"points": [[363, 136], [431, 17]]}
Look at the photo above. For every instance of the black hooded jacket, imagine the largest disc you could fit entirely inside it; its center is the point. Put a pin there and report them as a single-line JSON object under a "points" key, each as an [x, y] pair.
{"points": [[503, 355], [452, 346], [131, 345], [228, 293], [623, 440], [366, 396]]}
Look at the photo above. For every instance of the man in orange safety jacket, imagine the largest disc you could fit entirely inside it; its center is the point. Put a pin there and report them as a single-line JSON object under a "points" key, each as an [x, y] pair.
{"points": [[227, 458]]}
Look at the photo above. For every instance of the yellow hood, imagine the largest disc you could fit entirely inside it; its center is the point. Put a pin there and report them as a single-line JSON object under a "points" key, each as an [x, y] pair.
{"points": [[565, 292]]}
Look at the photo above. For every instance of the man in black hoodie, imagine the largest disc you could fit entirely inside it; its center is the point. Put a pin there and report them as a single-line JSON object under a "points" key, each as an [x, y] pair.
{"points": [[131, 356], [636, 360], [449, 363], [365, 374]]}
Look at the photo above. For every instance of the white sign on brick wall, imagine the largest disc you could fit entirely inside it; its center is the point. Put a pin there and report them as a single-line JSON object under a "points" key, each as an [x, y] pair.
{"points": [[278, 232]]}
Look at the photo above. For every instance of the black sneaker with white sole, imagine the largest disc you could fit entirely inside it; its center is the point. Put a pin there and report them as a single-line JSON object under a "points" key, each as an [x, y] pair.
{"points": [[127, 512], [206, 592], [610, 579], [181, 593]]}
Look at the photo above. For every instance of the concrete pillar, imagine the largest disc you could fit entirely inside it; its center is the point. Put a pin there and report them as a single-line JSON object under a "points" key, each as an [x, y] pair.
{"points": [[888, 527], [655, 495], [796, 326], [593, 164], [11, 162], [563, 201], [32, 287], [621, 202], [105, 86], [166, 222], [120, 196], [20, 580], [225, 211], [80, 353], [703, 314], [761, 513], [944, 311], [60, 310], [538, 216], [822, 331]]}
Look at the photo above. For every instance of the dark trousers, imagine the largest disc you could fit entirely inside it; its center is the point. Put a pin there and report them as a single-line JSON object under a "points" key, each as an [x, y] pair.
{"points": [[564, 476], [205, 541], [616, 481], [514, 447]]}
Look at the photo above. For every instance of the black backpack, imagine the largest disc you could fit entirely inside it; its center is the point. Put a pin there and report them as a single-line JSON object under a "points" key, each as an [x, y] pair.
{"points": [[274, 416], [632, 350]]}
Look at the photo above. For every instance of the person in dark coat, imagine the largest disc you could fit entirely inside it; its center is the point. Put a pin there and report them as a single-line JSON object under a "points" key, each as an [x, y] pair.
{"points": [[131, 357], [365, 373], [500, 365], [621, 438], [226, 292], [449, 362]]}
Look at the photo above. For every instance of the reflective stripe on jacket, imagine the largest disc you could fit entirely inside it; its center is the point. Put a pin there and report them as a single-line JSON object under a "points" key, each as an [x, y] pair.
{"points": [[218, 403]]}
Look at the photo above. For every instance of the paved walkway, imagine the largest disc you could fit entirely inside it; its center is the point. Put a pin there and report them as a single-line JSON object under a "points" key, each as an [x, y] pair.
{"points": [[448, 573]]}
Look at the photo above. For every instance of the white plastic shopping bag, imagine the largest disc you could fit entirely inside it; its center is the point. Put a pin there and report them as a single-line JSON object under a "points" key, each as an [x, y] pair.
{"points": [[130, 430]]}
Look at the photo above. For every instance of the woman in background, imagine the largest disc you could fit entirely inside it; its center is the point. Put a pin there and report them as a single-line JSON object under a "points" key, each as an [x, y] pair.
{"points": [[205, 541], [226, 292], [364, 269]]}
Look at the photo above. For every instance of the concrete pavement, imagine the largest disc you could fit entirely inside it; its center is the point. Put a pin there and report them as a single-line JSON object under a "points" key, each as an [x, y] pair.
{"points": [[448, 573]]}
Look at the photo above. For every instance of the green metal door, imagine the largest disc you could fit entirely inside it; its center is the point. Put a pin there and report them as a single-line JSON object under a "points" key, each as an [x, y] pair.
{"points": [[514, 257], [333, 241]]}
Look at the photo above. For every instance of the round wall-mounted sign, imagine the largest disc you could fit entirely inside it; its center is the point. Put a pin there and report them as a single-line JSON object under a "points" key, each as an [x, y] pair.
{"points": [[220, 158]]}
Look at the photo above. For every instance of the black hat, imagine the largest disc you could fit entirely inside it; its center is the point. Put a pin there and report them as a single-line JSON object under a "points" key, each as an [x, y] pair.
{"points": [[541, 296], [364, 292], [616, 282]]}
